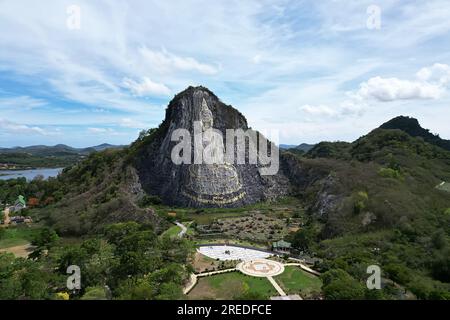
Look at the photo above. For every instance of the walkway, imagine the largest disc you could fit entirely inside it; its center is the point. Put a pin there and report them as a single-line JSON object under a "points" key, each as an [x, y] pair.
{"points": [[183, 229], [276, 286]]}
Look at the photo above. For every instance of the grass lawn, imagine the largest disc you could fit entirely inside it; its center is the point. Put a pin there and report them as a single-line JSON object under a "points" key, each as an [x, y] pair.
{"points": [[231, 285], [294, 280], [190, 230], [172, 231], [17, 236]]}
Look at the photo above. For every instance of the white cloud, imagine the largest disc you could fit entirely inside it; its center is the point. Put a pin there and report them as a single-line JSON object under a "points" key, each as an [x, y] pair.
{"points": [[166, 61], [22, 102], [348, 107], [430, 83], [16, 128], [131, 123], [390, 89], [319, 110], [438, 73], [146, 87], [257, 59], [102, 131]]}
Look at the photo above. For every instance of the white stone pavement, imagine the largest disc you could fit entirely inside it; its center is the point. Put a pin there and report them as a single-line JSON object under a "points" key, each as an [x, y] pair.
{"points": [[232, 253], [261, 268]]}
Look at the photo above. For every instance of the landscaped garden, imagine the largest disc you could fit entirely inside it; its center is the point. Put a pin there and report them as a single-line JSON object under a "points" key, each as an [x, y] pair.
{"points": [[256, 227], [232, 285], [296, 281]]}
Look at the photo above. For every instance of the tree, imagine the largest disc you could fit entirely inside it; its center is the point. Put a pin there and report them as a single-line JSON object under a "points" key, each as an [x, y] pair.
{"points": [[339, 285], [24, 279], [441, 267], [302, 239], [398, 272], [33, 202], [169, 291], [95, 293], [44, 240], [139, 289], [439, 239]]}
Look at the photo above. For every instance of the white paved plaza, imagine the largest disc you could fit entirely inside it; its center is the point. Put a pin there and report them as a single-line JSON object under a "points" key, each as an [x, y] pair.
{"points": [[261, 268], [232, 253]]}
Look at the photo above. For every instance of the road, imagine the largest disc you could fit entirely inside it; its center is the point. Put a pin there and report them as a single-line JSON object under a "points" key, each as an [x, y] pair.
{"points": [[183, 229]]}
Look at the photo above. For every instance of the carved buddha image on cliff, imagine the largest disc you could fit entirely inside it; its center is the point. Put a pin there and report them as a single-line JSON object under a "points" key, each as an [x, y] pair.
{"points": [[216, 183]]}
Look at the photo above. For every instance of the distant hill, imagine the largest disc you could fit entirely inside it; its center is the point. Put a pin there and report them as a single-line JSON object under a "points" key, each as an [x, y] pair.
{"points": [[59, 155], [105, 146], [412, 127], [305, 147], [41, 150], [287, 146]]}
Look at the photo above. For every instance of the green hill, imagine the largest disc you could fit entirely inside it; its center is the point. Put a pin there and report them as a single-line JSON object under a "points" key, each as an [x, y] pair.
{"points": [[375, 201]]}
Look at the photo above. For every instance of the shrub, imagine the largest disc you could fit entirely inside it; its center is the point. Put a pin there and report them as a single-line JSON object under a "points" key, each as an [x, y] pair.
{"points": [[148, 200], [398, 273], [390, 173], [338, 285]]}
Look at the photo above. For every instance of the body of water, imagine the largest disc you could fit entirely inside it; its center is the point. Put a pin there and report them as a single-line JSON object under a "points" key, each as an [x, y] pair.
{"points": [[29, 174]]}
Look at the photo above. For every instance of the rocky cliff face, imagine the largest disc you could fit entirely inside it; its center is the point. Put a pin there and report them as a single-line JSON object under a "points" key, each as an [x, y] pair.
{"points": [[225, 184]]}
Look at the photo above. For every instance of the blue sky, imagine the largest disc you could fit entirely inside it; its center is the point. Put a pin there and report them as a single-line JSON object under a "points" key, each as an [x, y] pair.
{"points": [[311, 70]]}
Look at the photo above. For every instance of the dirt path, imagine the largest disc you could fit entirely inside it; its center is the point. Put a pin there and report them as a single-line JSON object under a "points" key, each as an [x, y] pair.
{"points": [[6, 219], [22, 251]]}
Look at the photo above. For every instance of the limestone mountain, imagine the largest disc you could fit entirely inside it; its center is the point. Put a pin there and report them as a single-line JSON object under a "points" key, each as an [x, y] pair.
{"points": [[201, 185], [112, 185]]}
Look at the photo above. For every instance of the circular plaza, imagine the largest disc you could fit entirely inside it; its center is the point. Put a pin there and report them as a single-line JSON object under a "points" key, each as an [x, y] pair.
{"points": [[261, 268]]}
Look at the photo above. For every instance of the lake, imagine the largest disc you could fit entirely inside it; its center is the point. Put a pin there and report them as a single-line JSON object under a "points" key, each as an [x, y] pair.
{"points": [[29, 174]]}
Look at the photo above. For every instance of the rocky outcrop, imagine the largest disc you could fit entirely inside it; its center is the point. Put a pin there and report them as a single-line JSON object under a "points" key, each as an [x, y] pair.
{"points": [[220, 184]]}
